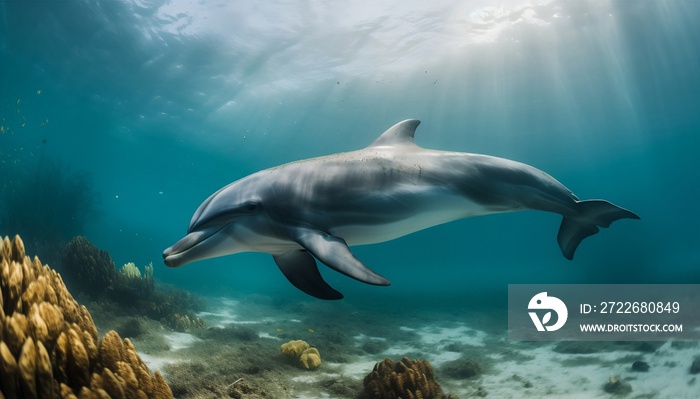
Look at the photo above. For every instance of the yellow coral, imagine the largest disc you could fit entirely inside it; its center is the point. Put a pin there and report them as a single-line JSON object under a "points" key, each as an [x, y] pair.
{"points": [[294, 348], [310, 359], [131, 271], [49, 344], [306, 357]]}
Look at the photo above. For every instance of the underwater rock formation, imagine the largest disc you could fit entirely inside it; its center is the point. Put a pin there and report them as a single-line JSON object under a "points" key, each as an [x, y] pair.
{"points": [[306, 357], [49, 346], [405, 379], [90, 270]]}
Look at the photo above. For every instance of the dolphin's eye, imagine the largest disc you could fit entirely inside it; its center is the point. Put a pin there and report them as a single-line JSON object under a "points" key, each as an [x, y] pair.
{"points": [[252, 207]]}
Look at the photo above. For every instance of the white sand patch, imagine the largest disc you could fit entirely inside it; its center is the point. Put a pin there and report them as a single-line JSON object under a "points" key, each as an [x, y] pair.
{"points": [[266, 335], [444, 336], [178, 340], [358, 369], [157, 363], [227, 314], [441, 357], [313, 376], [363, 337], [400, 351], [306, 379]]}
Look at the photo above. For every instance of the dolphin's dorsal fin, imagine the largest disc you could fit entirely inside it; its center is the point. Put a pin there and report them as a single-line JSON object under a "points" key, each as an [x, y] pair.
{"points": [[400, 134]]}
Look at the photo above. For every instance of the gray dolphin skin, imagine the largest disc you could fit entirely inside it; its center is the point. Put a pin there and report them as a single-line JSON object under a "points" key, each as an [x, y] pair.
{"points": [[316, 208]]}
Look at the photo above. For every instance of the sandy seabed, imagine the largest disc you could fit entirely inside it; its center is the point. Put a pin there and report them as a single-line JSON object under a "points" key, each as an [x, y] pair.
{"points": [[237, 355]]}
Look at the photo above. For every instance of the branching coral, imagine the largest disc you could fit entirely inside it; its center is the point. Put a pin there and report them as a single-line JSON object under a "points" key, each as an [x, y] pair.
{"points": [[130, 271], [405, 379], [49, 346], [130, 280], [92, 271]]}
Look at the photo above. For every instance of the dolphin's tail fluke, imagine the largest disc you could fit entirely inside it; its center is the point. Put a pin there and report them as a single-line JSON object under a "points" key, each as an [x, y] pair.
{"points": [[590, 215]]}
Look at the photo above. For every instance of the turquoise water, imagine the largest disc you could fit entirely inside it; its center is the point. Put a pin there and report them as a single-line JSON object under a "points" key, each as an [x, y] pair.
{"points": [[164, 103]]}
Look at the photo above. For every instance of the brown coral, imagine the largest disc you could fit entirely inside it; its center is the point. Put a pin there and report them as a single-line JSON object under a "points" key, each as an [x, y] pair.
{"points": [[91, 269], [49, 346], [405, 379]]}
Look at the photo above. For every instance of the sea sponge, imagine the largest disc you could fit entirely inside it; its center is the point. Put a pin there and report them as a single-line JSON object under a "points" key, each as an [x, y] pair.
{"points": [[49, 346], [305, 356], [406, 379], [294, 348], [310, 359]]}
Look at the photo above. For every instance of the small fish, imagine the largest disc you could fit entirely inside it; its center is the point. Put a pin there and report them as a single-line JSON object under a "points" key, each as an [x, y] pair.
{"points": [[310, 329], [279, 330]]}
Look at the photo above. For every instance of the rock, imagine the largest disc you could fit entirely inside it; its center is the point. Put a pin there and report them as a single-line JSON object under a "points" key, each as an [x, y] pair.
{"points": [[695, 366], [640, 366], [616, 386]]}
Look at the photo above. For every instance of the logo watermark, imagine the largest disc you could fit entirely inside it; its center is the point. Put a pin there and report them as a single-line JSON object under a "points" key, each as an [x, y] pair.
{"points": [[603, 312], [543, 302]]}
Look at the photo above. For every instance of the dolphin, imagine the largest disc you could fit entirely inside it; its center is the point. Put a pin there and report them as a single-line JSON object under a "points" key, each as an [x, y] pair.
{"points": [[314, 209]]}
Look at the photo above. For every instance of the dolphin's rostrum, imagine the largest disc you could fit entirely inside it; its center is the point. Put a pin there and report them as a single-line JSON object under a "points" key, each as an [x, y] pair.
{"points": [[316, 208]]}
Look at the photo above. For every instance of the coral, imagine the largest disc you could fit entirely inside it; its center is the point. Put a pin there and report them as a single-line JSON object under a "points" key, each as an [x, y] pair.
{"points": [[310, 359], [134, 284], [294, 348], [49, 345], [305, 356], [91, 270], [130, 271], [405, 379], [184, 322]]}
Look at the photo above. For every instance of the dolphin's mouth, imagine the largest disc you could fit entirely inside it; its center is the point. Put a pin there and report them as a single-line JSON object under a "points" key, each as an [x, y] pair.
{"points": [[176, 255]]}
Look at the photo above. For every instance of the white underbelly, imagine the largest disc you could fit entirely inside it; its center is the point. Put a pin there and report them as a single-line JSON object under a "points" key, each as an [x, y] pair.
{"points": [[438, 212]]}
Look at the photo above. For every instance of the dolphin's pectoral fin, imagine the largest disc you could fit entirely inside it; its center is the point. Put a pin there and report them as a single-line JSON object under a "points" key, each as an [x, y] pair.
{"points": [[300, 269], [591, 215], [334, 253]]}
